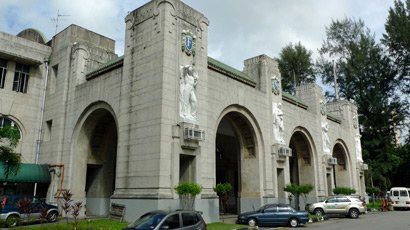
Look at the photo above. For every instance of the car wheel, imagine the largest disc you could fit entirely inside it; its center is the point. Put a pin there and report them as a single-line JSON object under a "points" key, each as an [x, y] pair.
{"points": [[354, 213], [52, 216], [293, 222], [318, 211], [252, 222], [13, 220]]}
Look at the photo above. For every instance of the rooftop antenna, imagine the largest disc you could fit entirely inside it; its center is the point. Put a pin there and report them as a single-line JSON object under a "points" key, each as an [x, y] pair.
{"points": [[58, 18]]}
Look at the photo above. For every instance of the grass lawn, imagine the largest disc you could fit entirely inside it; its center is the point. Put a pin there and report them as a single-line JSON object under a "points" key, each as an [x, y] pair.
{"points": [[96, 224], [108, 224], [223, 226]]}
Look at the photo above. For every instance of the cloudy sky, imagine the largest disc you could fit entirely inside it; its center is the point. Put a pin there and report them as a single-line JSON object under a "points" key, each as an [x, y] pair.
{"points": [[239, 29]]}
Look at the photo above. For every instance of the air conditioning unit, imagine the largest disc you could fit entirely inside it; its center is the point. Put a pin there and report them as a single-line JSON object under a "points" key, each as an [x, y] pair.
{"points": [[364, 167], [284, 151], [192, 133], [332, 161]]}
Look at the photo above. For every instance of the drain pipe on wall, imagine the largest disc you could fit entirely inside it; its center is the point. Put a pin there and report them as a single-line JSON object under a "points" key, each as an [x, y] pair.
{"points": [[40, 130]]}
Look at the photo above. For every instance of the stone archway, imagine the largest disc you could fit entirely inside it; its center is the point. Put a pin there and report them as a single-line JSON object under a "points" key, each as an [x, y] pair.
{"points": [[236, 161], [341, 174], [94, 158], [302, 161]]}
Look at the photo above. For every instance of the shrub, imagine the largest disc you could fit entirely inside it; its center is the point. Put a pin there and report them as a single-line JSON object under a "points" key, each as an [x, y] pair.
{"points": [[188, 188], [343, 191]]}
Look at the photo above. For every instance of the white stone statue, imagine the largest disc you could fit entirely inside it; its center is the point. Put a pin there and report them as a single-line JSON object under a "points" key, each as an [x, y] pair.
{"points": [[278, 128], [188, 101], [326, 141], [358, 146]]}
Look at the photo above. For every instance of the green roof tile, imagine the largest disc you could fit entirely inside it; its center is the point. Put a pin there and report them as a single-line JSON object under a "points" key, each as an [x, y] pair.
{"points": [[230, 71], [111, 64]]}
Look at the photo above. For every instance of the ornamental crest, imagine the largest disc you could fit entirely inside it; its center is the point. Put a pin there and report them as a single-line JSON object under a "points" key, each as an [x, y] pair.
{"points": [[188, 42]]}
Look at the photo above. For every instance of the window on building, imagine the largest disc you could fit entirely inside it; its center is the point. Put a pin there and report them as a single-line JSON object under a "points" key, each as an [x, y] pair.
{"points": [[4, 122], [3, 71], [47, 133], [21, 76]]}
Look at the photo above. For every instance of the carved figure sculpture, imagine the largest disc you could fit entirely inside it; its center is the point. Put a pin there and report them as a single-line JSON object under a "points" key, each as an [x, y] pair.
{"points": [[278, 128], [188, 100], [358, 146], [326, 141]]}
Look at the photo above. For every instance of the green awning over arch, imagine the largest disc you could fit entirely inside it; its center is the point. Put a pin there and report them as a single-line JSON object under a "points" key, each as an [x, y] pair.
{"points": [[28, 173]]}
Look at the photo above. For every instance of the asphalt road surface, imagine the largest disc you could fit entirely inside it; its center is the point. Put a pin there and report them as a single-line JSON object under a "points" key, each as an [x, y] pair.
{"points": [[393, 220]]}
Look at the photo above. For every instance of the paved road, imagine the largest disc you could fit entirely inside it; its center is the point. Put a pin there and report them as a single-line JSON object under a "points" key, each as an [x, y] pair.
{"points": [[394, 220]]}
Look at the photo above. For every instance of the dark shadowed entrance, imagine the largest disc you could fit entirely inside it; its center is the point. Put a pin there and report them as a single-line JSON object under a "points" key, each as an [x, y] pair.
{"points": [[97, 151]]}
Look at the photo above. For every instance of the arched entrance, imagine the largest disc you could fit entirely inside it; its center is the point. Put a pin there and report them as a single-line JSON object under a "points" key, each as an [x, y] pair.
{"points": [[235, 158], [95, 154], [301, 163], [341, 169]]}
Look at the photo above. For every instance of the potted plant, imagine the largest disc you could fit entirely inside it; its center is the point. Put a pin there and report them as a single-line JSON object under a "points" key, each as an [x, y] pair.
{"points": [[222, 190], [187, 192]]}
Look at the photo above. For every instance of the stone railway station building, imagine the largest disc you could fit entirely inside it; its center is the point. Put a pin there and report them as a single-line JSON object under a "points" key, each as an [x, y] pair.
{"points": [[129, 129]]}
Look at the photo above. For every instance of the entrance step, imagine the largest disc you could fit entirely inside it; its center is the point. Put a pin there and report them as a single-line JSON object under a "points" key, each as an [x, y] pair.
{"points": [[228, 218]]}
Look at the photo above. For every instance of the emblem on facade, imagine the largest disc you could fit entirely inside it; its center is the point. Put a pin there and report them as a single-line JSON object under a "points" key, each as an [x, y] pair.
{"points": [[188, 42], [275, 86]]}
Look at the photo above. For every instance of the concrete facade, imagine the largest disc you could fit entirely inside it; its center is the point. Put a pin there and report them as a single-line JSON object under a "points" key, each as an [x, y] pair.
{"points": [[113, 131]]}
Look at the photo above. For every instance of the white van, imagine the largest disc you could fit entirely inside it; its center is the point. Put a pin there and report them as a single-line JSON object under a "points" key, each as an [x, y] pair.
{"points": [[400, 197]]}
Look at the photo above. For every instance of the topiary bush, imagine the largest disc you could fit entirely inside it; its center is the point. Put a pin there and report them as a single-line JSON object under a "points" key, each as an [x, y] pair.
{"points": [[343, 191], [187, 192], [222, 190]]}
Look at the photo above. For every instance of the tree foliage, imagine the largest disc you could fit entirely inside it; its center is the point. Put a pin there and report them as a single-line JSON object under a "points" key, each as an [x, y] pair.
{"points": [[366, 75], [295, 64], [9, 137], [397, 39], [11, 134]]}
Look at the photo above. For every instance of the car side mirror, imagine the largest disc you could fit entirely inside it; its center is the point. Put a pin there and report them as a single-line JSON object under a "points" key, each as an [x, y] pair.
{"points": [[326, 202], [164, 227]]}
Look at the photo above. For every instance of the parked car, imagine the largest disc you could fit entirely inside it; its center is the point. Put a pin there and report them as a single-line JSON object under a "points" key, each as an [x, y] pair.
{"points": [[399, 197], [274, 214], [180, 220], [10, 211], [344, 205]]}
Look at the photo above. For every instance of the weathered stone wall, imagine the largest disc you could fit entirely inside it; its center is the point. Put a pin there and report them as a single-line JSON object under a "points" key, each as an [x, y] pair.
{"points": [[24, 108]]}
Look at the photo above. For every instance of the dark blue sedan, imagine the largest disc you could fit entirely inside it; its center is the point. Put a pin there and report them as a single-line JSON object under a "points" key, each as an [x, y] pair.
{"points": [[274, 214]]}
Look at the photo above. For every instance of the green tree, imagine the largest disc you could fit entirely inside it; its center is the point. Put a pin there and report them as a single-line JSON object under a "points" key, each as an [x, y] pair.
{"points": [[297, 190], [369, 78], [402, 171], [397, 39], [9, 138], [296, 66]]}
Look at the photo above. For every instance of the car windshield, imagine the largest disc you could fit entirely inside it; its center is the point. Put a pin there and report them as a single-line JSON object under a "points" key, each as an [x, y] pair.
{"points": [[148, 221]]}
